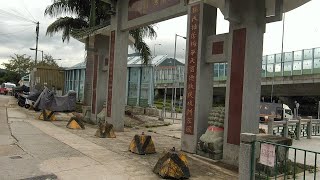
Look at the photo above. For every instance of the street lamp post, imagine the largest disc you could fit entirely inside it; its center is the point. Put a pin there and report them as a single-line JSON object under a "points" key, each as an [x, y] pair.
{"points": [[174, 93], [33, 49], [154, 49]]}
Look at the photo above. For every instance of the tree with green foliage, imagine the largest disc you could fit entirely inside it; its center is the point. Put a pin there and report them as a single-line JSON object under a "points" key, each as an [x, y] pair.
{"points": [[20, 64], [48, 61], [74, 16]]}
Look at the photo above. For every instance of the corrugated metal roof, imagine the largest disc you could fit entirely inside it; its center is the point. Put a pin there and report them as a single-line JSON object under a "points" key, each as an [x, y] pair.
{"points": [[137, 61], [81, 65], [133, 60]]}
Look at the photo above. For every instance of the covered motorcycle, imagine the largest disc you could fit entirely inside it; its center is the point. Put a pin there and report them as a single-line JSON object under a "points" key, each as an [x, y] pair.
{"points": [[49, 101]]}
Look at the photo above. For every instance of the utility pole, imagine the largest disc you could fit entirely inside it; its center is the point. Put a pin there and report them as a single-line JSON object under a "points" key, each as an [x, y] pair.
{"points": [[37, 40]]}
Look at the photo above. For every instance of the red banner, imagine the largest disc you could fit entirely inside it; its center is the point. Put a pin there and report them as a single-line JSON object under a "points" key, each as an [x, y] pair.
{"points": [[192, 69], [111, 63], [236, 85], [139, 8], [94, 85]]}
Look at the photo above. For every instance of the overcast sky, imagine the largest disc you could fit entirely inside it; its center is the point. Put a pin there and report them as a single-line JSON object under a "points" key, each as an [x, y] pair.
{"points": [[17, 36]]}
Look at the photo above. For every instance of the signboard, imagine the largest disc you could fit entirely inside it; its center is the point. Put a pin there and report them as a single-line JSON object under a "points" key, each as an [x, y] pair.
{"points": [[139, 8], [139, 13], [267, 155], [217, 48], [192, 68], [110, 81]]}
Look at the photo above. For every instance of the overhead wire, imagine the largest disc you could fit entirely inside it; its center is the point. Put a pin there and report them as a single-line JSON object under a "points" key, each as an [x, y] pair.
{"points": [[24, 5], [6, 13], [4, 34]]}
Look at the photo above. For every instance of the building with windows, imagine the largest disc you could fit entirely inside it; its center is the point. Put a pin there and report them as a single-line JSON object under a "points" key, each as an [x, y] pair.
{"points": [[141, 78], [295, 63], [74, 79]]}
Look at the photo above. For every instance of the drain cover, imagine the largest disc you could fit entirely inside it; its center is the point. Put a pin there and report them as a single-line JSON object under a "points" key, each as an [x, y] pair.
{"points": [[16, 157]]}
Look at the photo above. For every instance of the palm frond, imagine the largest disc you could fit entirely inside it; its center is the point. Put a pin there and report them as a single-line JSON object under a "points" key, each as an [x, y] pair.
{"points": [[140, 46], [59, 7], [65, 24], [148, 31], [81, 8], [144, 51]]}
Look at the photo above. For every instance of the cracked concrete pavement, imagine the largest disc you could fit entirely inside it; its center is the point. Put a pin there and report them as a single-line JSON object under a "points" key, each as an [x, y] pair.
{"points": [[35, 149]]}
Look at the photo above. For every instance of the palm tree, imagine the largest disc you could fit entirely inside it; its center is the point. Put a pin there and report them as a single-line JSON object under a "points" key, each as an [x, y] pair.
{"points": [[76, 16]]}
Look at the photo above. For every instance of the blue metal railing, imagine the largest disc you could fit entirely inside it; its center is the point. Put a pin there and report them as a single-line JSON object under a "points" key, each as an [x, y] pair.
{"points": [[293, 130]]}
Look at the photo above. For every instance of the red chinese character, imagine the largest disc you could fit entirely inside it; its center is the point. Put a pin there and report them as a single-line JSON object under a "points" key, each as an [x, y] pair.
{"points": [[189, 112], [194, 19], [190, 95], [192, 60], [188, 129], [193, 52], [195, 9], [193, 44], [190, 103], [194, 27], [191, 86], [189, 121], [193, 35], [192, 78], [192, 69]]}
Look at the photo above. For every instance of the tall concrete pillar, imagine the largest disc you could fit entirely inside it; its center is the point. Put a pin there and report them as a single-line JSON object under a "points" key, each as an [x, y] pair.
{"points": [[198, 87], [99, 84], [89, 71], [117, 72], [247, 25]]}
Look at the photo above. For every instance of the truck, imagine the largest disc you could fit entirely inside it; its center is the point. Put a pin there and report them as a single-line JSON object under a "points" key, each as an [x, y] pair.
{"points": [[6, 88], [277, 111]]}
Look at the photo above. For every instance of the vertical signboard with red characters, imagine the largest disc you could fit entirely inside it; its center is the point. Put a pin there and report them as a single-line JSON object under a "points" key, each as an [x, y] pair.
{"points": [[192, 69], [94, 85], [110, 81]]}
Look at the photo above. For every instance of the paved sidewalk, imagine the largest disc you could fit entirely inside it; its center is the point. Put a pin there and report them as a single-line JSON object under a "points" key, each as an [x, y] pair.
{"points": [[52, 149], [113, 154]]}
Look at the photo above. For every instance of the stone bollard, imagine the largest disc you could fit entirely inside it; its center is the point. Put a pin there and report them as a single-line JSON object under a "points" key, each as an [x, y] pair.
{"points": [[105, 130], [309, 128], [247, 159], [86, 111], [286, 128], [76, 122], [270, 126], [142, 144], [173, 165], [47, 115], [298, 129]]}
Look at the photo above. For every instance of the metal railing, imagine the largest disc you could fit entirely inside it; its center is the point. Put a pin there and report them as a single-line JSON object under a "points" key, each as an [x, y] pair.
{"points": [[291, 128], [290, 163]]}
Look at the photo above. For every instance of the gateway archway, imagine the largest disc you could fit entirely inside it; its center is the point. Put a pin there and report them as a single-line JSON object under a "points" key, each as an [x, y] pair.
{"points": [[241, 47]]}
